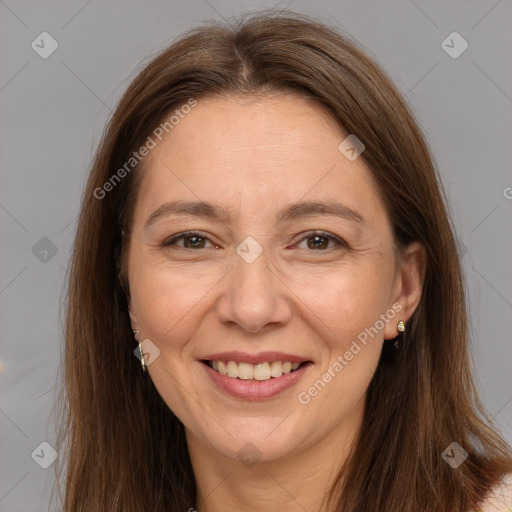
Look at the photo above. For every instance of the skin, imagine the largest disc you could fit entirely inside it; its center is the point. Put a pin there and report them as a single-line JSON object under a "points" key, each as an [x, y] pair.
{"points": [[253, 156]]}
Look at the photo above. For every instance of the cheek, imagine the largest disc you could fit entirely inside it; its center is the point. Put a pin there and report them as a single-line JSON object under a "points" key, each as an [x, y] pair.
{"points": [[346, 316], [165, 301], [344, 302]]}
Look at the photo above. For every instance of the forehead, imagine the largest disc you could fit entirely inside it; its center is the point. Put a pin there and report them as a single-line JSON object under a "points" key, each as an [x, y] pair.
{"points": [[255, 131], [256, 152]]}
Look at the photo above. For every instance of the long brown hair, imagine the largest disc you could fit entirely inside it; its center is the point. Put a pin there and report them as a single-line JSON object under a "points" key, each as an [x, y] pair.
{"points": [[124, 449]]}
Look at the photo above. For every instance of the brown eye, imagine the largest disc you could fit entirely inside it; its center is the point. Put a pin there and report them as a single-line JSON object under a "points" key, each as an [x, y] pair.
{"points": [[319, 241], [194, 241], [191, 240]]}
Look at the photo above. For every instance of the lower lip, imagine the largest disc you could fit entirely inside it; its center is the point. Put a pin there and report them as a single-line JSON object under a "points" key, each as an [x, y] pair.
{"points": [[255, 389]]}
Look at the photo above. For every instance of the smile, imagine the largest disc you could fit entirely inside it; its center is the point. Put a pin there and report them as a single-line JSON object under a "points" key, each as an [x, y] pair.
{"points": [[247, 371], [254, 376]]}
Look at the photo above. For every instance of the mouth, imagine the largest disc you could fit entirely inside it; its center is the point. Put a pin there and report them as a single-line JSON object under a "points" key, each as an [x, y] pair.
{"points": [[254, 377], [257, 372]]}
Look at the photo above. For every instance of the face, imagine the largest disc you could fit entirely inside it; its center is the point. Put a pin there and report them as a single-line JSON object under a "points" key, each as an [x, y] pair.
{"points": [[267, 276]]}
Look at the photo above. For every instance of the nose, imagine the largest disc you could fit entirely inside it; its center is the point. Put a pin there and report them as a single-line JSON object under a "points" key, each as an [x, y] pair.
{"points": [[255, 297]]}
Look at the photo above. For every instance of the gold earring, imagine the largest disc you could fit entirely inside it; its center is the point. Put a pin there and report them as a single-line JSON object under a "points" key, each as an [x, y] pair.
{"points": [[142, 362], [401, 328]]}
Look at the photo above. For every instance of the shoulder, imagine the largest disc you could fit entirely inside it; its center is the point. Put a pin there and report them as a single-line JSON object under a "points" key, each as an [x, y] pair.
{"points": [[499, 498]]}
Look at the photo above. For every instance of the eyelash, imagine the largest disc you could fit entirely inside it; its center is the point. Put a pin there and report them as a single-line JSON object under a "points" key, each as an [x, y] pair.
{"points": [[186, 234]]}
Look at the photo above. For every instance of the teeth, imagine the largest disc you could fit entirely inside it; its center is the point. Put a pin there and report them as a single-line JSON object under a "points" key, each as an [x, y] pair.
{"points": [[262, 371], [232, 369], [247, 371], [222, 368], [276, 369]]}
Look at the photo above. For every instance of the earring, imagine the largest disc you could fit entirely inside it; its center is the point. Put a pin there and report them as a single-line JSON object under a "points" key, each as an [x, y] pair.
{"points": [[400, 328], [142, 362]]}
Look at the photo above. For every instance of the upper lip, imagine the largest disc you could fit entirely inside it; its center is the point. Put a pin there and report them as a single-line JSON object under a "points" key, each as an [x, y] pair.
{"points": [[260, 357]]}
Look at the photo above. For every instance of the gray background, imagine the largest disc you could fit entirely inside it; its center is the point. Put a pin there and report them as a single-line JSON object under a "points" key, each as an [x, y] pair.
{"points": [[53, 111]]}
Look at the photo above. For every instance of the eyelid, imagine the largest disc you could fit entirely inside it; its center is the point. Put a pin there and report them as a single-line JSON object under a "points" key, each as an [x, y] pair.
{"points": [[171, 241]]}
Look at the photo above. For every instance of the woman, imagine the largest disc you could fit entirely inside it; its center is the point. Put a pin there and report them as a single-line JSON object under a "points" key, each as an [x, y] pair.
{"points": [[263, 227]]}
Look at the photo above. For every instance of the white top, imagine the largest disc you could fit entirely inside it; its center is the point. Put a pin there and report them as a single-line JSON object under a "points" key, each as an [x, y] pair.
{"points": [[500, 498]]}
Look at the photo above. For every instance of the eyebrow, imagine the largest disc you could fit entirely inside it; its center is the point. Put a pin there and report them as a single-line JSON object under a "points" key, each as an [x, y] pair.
{"points": [[203, 209]]}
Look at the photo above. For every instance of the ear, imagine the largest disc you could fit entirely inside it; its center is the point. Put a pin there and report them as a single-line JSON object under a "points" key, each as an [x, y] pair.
{"points": [[133, 317], [408, 286]]}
